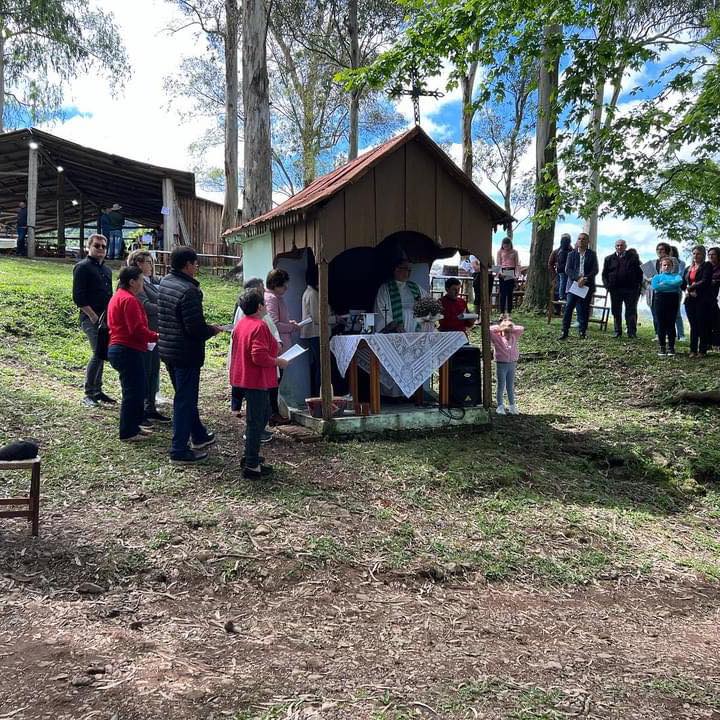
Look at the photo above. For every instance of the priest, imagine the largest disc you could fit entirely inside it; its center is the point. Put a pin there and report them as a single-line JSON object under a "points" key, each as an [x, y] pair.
{"points": [[395, 301]]}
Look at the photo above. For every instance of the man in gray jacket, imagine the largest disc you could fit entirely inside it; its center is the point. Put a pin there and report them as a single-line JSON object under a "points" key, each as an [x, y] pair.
{"points": [[183, 333]]}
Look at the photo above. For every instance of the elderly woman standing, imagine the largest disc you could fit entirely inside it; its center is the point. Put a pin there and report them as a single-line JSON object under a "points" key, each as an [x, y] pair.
{"points": [[142, 259], [276, 285], [698, 301], [129, 339]]}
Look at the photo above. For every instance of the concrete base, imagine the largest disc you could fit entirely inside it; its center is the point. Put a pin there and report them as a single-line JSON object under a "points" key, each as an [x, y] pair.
{"points": [[394, 419]]}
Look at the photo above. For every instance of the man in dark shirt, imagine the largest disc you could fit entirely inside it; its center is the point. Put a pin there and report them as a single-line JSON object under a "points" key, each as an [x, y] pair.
{"points": [[92, 290], [622, 278], [115, 220], [22, 229], [183, 333]]}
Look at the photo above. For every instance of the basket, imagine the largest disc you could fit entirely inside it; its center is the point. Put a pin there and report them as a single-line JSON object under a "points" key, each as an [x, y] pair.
{"points": [[314, 406]]}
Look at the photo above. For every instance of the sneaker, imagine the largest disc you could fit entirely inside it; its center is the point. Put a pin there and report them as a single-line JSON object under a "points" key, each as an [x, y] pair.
{"points": [[619, 335], [242, 460], [500, 410], [513, 410], [145, 424], [265, 437], [257, 473], [145, 430], [90, 402], [155, 416], [136, 438], [671, 352], [205, 443], [160, 400], [190, 456], [564, 336], [661, 353], [103, 398]]}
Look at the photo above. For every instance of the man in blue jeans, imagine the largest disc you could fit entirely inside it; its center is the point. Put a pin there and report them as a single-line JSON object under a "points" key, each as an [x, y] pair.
{"points": [[183, 333], [581, 268]]}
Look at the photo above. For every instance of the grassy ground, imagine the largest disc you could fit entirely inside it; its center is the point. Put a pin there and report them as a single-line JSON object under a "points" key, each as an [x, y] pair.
{"points": [[561, 563]]}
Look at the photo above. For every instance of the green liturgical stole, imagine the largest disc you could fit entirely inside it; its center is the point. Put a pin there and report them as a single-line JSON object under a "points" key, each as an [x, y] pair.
{"points": [[396, 300]]}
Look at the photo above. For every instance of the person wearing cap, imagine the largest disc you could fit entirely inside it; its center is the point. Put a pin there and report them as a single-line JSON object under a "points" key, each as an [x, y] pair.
{"points": [[115, 220]]}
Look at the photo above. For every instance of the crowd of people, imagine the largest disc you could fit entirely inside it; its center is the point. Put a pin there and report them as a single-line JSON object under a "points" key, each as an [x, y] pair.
{"points": [[148, 321]]}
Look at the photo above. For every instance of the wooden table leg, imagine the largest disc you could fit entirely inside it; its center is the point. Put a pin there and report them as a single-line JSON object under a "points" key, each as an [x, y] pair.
{"points": [[354, 386], [445, 384], [419, 396], [35, 498], [374, 384]]}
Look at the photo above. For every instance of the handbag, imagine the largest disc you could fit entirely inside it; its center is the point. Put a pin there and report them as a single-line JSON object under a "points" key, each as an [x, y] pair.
{"points": [[103, 338]]}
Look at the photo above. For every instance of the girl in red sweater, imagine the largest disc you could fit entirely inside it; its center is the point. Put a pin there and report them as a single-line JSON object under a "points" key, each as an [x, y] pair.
{"points": [[129, 338], [253, 367]]}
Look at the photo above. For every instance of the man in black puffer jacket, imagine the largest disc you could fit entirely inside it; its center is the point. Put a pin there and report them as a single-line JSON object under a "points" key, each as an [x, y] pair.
{"points": [[183, 332]]}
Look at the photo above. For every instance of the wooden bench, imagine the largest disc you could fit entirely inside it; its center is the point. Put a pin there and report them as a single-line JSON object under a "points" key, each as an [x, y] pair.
{"points": [[32, 501]]}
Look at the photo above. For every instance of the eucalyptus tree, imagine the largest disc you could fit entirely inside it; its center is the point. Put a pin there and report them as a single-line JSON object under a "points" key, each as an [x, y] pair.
{"points": [[45, 43]]}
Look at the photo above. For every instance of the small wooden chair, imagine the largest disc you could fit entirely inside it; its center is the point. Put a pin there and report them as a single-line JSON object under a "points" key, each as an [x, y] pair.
{"points": [[33, 500]]}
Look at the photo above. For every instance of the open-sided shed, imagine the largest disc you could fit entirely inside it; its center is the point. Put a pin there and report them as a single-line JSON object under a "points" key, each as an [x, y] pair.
{"points": [[408, 189], [67, 183]]}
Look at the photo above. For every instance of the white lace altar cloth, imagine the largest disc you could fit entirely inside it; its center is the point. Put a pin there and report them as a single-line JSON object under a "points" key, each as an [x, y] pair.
{"points": [[406, 359]]}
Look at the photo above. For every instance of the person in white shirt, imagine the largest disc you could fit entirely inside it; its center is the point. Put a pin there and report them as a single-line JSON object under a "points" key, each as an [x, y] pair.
{"points": [[395, 301], [310, 333]]}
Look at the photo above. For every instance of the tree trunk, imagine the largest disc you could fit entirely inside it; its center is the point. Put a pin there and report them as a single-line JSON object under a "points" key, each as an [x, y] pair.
{"points": [[230, 203], [2, 78], [353, 33], [468, 113], [257, 190], [591, 223], [546, 175]]}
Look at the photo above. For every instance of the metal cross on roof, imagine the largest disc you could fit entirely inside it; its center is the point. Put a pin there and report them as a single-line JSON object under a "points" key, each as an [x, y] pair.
{"points": [[417, 89]]}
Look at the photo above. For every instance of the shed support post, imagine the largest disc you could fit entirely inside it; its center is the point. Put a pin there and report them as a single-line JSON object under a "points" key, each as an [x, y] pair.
{"points": [[32, 199], [326, 390], [485, 309], [170, 227], [60, 202], [81, 227]]}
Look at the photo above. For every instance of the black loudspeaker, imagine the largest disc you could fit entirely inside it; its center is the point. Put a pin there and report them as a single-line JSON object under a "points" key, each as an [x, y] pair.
{"points": [[465, 379]]}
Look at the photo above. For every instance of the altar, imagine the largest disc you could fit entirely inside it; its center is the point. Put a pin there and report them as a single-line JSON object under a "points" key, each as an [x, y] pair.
{"points": [[405, 360]]}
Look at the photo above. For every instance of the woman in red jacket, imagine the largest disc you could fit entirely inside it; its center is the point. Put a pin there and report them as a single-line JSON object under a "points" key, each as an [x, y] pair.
{"points": [[253, 367], [129, 339]]}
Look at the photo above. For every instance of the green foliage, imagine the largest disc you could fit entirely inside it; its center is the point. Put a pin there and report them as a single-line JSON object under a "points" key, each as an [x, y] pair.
{"points": [[47, 43]]}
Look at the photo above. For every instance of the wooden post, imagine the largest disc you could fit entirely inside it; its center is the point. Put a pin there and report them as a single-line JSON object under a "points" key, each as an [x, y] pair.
{"points": [[60, 205], [32, 200], [81, 226], [374, 384], [485, 310], [170, 228], [326, 390]]}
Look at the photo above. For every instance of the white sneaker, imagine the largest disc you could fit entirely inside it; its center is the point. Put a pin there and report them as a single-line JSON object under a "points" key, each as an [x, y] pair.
{"points": [[513, 410], [500, 410]]}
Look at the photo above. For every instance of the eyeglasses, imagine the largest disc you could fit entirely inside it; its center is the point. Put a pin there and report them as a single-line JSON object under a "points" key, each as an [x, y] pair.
{"points": [[99, 247]]}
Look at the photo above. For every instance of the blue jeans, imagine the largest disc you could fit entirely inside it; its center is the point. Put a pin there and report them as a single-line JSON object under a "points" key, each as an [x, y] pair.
{"points": [[131, 369], [506, 289], [505, 381], [116, 250], [562, 286], [258, 413], [21, 250], [583, 311], [186, 416]]}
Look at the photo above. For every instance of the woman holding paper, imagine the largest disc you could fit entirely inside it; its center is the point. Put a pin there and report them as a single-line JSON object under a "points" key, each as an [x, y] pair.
{"points": [[130, 340], [508, 261], [149, 298], [276, 285], [253, 367]]}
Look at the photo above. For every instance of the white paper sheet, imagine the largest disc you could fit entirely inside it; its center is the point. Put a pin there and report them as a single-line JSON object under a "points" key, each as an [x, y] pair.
{"points": [[227, 328], [648, 269], [467, 316], [151, 346], [575, 289], [293, 352], [305, 322]]}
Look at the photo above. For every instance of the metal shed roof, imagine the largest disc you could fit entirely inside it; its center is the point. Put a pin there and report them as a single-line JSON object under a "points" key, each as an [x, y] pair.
{"points": [[98, 177]]}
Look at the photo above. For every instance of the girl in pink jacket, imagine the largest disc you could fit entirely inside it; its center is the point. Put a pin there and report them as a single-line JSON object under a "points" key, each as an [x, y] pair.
{"points": [[505, 338]]}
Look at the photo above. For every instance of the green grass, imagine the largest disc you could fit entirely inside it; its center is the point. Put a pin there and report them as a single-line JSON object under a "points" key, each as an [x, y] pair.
{"points": [[588, 484]]}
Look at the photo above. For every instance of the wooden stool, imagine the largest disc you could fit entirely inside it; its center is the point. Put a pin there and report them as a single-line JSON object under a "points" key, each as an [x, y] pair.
{"points": [[33, 501]]}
